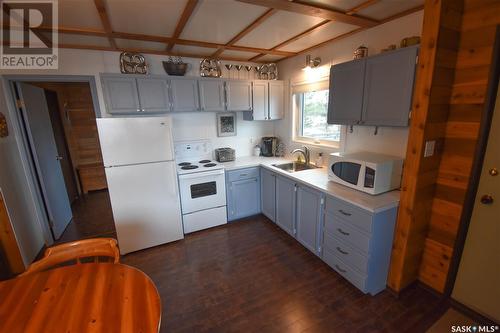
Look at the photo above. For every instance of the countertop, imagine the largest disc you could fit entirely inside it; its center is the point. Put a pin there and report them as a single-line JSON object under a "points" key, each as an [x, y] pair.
{"points": [[318, 179]]}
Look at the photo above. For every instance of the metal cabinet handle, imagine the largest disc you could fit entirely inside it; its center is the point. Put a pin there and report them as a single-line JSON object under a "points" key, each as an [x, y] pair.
{"points": [[340, 269], [243, 174], [343, 232], [344, 213], [138, 110], [59, 158], [342, 251]]}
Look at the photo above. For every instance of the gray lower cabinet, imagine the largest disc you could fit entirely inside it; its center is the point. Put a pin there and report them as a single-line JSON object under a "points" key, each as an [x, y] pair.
{"points": [[121, 94], [184, 95], [309, 217], [243, 193], [285, 204], [268, 194], [358, 244], [153, 95]]}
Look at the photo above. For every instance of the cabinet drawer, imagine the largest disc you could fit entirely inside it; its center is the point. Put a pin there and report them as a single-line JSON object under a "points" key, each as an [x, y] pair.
{"points": [[243, 174], [347, 233], [349, 213], [348, 254], [357, 279]]}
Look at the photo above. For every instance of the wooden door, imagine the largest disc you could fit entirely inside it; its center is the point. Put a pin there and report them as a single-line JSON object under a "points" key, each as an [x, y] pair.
{"points": [[476, 285], [276, 99], [239, 95], [184, 94], [285, 204], [345, 100], [260, 100], [268, 194], [212, 96], [309, 213], [388, 87], [153, 95], [121, 94]]}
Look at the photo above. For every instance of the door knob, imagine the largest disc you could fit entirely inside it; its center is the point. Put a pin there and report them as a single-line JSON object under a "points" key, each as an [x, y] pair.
{"points": [[486, 199], [493, 172], [59, 158]]}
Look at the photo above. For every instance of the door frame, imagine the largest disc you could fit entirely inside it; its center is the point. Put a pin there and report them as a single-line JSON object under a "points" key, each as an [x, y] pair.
{"points": [[477, 166], [23, 145]]}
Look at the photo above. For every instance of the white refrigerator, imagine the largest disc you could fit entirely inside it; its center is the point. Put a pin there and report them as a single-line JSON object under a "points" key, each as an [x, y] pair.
{"points": [[139, 162]]}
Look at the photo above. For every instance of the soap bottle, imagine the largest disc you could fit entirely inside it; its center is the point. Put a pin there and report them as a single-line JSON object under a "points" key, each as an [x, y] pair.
{"points": [[319, 160]]}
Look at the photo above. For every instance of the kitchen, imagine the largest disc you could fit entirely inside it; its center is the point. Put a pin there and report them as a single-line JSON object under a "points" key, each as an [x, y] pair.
{"points": [[303, 135]]}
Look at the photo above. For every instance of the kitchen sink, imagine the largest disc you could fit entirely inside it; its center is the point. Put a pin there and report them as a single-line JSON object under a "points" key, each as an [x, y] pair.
{"points": [[294, 166]]}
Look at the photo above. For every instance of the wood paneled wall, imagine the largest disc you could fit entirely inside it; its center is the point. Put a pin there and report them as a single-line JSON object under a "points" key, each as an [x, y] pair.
{"points": [[8, 241], [452, 76]]}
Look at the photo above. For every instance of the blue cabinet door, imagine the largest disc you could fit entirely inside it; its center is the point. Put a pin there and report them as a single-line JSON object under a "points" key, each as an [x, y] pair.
{"points": [[285, 204], [121, 94], [244, 198], [268, 194], [309, 217]]}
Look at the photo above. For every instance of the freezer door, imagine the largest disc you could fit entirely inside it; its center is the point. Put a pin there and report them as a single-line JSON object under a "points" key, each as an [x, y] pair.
{"points": [[145, 203], [127, 141]]}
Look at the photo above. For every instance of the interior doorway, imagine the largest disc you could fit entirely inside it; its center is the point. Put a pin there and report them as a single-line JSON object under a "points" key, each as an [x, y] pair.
{"points": [[59, 122]]}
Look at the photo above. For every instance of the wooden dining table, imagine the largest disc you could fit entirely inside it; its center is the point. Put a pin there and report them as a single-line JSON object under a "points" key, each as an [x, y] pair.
{"points": [[92, 297]]}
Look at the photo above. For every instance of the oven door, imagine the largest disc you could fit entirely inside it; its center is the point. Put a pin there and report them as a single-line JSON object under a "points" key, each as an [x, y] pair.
{"points": [[202, 190]]}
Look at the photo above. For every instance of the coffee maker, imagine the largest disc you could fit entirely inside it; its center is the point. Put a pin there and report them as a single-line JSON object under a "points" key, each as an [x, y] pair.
{"points": [[268, 146]]}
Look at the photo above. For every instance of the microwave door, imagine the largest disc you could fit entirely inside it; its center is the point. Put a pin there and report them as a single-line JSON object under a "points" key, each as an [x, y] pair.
{"points": [[348, 172]]}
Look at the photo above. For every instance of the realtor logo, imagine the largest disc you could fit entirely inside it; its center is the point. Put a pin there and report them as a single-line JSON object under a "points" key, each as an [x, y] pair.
{"points": [[29, 34]]}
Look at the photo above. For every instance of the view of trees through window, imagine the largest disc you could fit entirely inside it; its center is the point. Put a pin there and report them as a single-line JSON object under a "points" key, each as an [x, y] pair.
{"points": [[314, 115]]}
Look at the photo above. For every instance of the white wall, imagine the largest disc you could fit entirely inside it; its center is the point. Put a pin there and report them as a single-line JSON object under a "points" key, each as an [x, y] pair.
{"points": [[27, 216], [389, 140]]}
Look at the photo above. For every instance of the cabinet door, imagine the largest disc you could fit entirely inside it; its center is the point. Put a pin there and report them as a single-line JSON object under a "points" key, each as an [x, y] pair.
{"points": [[121, 94], [212, 95], [239, 95], [184, 94], [260, 100], [244, 198], [346, 92], [285, 204], [309, 215], [276, 99], [268, 194], [153, 95], [389, 88]]}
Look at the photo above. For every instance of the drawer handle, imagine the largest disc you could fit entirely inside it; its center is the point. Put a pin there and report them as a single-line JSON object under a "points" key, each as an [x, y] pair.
{"points": [[243, 174], [343, 232], [342, 251], [344, 213], [340, 269]]}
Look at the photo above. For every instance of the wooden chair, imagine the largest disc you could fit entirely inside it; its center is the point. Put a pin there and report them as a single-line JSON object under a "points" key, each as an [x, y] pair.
{"points": [[94, 248]]}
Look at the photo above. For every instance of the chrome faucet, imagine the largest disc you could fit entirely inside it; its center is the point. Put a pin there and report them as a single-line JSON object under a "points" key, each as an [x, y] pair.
{"points": [[305, 152]]}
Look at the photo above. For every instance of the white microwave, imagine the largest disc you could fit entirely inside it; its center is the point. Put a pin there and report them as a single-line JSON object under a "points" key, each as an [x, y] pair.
{"points": [[368, 172]]}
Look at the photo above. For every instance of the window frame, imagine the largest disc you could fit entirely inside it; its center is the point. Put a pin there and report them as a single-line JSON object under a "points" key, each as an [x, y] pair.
{"points": [[297, 105]]}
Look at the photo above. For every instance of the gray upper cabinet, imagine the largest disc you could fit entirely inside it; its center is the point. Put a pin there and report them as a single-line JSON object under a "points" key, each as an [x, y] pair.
{"points": [[184, 94], [268, 194], [309, 217], [153, 95], [276, 99], [239, 95], [121, 94], [260, 100], [375, 91], [389, 87], [285, 204], [212, 97], [346, 92]]}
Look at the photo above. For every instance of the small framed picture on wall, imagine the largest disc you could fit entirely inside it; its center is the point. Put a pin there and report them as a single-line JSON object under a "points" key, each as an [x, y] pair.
{"points": [[226, 124]]}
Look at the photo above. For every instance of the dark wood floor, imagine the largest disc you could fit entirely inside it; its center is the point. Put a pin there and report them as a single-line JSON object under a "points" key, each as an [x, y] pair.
{"points": [[250, 276]]}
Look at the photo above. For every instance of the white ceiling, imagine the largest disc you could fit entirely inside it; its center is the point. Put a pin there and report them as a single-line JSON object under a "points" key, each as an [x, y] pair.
{"points": [[212, 21]]}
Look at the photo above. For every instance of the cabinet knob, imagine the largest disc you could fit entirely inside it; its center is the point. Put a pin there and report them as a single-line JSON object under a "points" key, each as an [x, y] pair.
{"points": [[493, 172]]}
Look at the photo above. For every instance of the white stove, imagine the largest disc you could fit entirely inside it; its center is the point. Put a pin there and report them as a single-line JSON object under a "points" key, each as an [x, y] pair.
{"points": [[202, 186]]}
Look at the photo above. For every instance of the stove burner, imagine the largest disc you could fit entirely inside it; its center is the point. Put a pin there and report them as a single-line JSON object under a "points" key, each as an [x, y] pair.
{"points": [[204, 161], [209, 165], [184, 164], [189, 167]]}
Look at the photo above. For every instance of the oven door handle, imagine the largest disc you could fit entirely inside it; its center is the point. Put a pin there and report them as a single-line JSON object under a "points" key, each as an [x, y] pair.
{"points": [[202, 174]]}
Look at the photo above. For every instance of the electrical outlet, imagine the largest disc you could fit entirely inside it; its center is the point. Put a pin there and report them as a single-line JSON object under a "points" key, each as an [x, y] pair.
{"points": [[429, 148]]}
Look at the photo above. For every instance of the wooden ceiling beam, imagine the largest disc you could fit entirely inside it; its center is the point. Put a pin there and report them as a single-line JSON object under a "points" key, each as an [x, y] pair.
{"points": [[245, 31], [186, 14], [103, 14], [293, 39], [314, 10], [361, 6]]}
